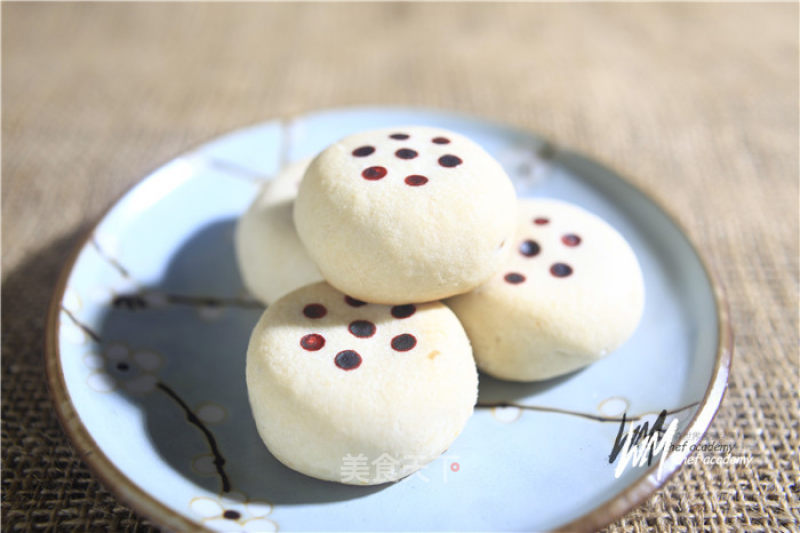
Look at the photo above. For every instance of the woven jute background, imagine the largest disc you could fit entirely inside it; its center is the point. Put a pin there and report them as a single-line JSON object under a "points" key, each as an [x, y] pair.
{"points": [[698, 104]]}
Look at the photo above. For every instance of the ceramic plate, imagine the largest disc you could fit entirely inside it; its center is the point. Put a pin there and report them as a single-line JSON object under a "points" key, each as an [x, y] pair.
{"points": [[150, 323]]}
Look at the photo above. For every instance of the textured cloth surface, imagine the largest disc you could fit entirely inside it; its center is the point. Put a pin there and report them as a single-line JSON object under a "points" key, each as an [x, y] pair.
{"points": [[695, 103]]}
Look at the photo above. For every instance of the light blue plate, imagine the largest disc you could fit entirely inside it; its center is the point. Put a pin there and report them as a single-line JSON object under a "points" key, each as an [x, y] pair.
{"points": [[150, 324]]}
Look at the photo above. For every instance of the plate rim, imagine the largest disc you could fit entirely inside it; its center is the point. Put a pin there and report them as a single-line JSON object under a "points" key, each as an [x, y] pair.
{"points": [[114, 480]]}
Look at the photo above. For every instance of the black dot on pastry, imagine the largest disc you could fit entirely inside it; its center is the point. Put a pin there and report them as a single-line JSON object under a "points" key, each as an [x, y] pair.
{"points": [[373, 173], [406, 153], [440, 140], [353, 302], [312, 342], [514, 278], [122, 366], [399, 136], [571, 239], [404, 311], [362, 328], [347, 359], [560, 270], [404, 342], [315, 311], [363, 151], [230, 514], [415, 180], [541, 221], [450, 161], [529, 248]]}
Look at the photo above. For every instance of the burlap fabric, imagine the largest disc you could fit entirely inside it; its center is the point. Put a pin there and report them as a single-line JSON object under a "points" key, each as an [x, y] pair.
{"points": [[696, 103]]}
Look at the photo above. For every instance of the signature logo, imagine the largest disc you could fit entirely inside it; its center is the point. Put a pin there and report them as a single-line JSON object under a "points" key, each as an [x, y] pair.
{"points": [[642, 443]]}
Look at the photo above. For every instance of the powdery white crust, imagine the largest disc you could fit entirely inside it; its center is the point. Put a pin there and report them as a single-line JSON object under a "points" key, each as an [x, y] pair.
{"points": [[558, 318], [405, 406], [428, 228], [271, 258]]}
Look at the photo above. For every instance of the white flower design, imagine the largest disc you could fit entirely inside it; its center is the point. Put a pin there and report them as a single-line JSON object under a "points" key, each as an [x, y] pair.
{"points": [[120, 367], [233, 512]]}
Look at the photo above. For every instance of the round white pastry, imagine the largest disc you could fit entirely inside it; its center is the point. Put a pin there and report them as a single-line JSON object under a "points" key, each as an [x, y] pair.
{"points": [[358, 393], [271, 258], [407, 214], [570, 292]]}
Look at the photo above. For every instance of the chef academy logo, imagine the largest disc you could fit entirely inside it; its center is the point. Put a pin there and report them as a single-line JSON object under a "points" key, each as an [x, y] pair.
{"points": [[642, 443]]}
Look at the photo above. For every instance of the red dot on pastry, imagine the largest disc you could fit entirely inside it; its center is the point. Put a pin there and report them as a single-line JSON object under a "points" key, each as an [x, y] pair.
{"points": [[571, 239], [406, 153], [404, 311], [529, 248], [541, 221], [560, 270], [347, 359], [312, 342], [362, 328], [353, 302], [514, 278], [230, 514], [399, 136], [404, 342], [363, 151], [415, 180], [450, 161], [315, 311], [373, 173], [440, 140]]}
